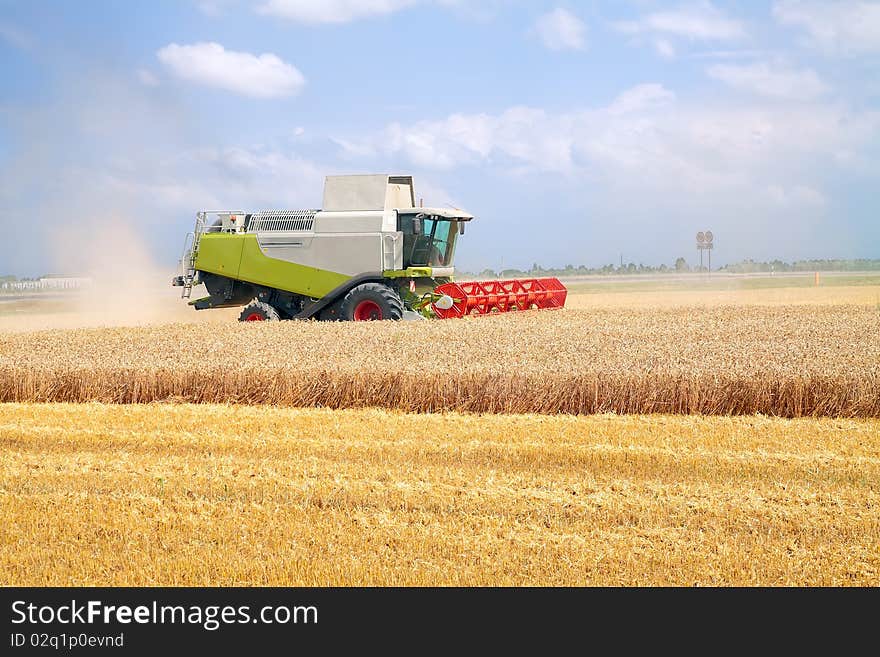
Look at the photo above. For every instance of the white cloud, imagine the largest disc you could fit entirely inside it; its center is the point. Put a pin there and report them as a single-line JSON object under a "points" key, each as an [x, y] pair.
{"points": [[261, 178], [728, 54], [259, 76], [15, 37], [561, 30], [331, 11], [483, 11], [213, 8], [664, 48], [695, 22], [649, 144], [771, 81], [654, 164], [462, 138], [796, 196], [641, 97], [147, 78], [846, 26]]}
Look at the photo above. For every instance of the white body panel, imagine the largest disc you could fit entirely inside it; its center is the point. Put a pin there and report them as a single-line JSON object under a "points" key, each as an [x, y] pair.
{"points": [[355, 232], [369, 192], [349, 243]]}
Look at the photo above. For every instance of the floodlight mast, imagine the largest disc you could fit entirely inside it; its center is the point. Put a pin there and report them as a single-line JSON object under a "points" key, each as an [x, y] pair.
{"points": [[704, 243]]}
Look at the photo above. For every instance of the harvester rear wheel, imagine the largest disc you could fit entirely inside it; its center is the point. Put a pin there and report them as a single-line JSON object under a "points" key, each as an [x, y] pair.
{"points": [[371, 301], [258, 311]]}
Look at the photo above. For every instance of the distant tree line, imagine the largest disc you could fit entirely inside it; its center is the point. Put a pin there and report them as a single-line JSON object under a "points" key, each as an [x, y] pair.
{"points": [[9, 278], [681, 266], [750, 266]]}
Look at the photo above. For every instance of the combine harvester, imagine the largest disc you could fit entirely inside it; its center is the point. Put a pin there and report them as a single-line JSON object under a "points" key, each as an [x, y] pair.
{"points": [[368, 254]]}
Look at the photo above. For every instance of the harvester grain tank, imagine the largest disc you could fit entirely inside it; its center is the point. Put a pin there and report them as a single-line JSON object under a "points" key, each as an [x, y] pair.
{"points": [[369, 253]]}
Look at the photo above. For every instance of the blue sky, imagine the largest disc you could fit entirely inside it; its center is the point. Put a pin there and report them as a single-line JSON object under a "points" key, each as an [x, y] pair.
{"points": [[574, 131]]}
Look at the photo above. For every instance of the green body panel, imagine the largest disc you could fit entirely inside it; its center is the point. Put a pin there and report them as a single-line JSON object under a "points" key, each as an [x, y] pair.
{"points": [[239, 256], [409, 272], [219, 254]]}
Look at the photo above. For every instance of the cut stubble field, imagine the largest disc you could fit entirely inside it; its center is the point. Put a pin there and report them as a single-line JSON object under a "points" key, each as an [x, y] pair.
{"points": [[175, 494]]}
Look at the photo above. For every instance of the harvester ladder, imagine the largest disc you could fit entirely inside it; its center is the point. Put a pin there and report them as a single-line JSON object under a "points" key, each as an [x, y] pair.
{"points": [[188, 257]]}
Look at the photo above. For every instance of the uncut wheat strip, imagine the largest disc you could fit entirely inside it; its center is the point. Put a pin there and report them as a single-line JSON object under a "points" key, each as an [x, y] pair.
{"points": [[795, 396]]}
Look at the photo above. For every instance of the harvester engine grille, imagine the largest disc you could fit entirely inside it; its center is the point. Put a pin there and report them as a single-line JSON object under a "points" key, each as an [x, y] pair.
{"points": [[286, 220]]}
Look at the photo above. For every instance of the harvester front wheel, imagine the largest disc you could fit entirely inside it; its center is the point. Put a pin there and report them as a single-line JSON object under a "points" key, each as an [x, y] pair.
{"points": [[371, 301], [258, 311]]}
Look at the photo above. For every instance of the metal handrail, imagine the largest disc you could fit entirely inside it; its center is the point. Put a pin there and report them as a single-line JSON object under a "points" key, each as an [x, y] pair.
{"points": [[265, 220], [282, 220]]}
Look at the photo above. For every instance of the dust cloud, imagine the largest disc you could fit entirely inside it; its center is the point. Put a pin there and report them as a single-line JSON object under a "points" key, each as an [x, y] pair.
{"points": [[128, 287]]}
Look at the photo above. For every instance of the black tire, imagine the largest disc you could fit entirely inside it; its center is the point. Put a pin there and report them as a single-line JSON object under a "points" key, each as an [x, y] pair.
{"points": [[258, 311], [371, 301]]}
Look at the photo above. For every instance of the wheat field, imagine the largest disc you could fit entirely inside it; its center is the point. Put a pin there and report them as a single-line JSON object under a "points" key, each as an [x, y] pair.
{"points": [[707, 298], [788, 361], [628, 439], [177, 494]]}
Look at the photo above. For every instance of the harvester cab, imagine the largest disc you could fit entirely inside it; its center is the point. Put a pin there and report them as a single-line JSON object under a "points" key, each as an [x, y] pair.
{"points": [[368, 253]]}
